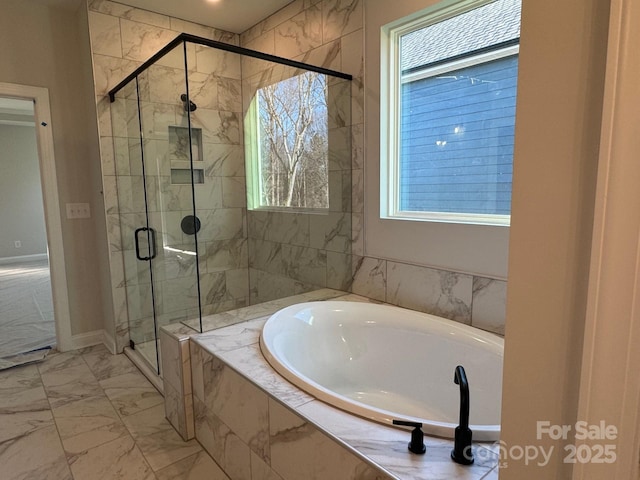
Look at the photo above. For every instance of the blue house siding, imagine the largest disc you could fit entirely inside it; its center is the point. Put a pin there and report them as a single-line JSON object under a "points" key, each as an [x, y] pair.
{"points": [[457, 133]]}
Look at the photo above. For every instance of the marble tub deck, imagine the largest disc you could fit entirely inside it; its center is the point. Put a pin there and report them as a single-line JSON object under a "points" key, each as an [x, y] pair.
{"points": [[383, 446]]}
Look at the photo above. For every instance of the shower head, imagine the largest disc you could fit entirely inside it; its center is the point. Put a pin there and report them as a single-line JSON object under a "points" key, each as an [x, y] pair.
{"points": [[188, 106]]}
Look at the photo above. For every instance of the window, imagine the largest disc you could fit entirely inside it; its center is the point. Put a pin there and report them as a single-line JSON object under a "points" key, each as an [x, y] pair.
{"points": [[289, 143], [451, 105]]}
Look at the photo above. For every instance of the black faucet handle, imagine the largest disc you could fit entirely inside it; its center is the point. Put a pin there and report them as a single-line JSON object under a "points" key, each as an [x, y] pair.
{"points": [[462, 452], [416, 445]]}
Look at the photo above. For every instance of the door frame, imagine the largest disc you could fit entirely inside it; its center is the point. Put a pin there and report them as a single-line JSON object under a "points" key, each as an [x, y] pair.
{"points": [[52, 214], [610, 384]]}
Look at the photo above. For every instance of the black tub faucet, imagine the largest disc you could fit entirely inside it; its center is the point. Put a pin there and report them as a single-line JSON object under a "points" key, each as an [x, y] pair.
{"points": [[461, 452]]}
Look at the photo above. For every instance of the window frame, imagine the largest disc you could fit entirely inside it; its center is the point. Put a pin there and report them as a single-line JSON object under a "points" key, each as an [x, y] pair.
{"points": [[470, 249], [391, 113], [253, 164]]}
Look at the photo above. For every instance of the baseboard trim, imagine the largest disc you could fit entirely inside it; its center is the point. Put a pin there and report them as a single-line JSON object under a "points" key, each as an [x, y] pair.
{"points": [[23, 258], [88, 339]]}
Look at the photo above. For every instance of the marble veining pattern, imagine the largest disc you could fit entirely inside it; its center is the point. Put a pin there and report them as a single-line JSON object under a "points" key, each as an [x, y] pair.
{"points": [[439, 292], [299, 429], [327, 33], [90, 436]]}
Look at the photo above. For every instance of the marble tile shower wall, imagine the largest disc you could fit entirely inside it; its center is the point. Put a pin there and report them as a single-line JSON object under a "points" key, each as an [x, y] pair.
{"points": [[294, 251], [122, 38], [220, 200], [289, 253]]}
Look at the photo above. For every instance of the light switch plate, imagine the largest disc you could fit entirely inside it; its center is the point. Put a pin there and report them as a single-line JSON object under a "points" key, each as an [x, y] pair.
{"points": [[78, 210]]}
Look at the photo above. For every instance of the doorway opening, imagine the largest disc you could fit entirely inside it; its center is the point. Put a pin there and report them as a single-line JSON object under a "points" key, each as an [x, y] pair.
{"points": [[34, 311], [26, 304]]}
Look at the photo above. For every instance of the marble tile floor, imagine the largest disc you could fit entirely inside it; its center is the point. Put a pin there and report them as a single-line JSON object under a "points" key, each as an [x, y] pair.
{"points": [[90, 415], [26, 308]]}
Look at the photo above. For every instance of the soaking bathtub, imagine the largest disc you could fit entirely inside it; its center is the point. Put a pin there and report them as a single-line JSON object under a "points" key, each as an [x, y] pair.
{"points": [[383, 363]]}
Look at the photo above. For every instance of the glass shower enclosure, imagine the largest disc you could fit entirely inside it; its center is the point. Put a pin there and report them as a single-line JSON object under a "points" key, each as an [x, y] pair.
{"points": [[216, 148]]}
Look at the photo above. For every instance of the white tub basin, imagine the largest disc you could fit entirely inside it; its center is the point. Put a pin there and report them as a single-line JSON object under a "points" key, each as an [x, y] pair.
{"points": [[383, 363]]}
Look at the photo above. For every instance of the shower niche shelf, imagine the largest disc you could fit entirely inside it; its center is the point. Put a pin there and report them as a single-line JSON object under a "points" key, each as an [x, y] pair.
{"points": [[180, 154]]}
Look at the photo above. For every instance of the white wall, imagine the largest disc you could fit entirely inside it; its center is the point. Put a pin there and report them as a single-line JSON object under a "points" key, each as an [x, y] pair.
{"points": [[21, 210], [48, 47], [558, 119]]}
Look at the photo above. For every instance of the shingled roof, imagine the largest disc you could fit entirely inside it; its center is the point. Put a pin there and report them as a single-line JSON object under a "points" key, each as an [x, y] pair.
{"points": [[481, 27]]}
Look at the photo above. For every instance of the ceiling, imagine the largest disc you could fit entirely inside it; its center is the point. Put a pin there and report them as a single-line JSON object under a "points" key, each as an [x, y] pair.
{"points": [[231, 15]]}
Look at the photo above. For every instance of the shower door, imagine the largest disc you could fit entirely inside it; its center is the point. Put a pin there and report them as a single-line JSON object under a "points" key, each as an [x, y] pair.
{"points": [[158, 222]]}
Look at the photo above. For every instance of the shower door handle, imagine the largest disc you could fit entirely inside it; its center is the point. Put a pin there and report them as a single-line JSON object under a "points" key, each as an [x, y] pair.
{"points": [[152, 242], [154, 249]]}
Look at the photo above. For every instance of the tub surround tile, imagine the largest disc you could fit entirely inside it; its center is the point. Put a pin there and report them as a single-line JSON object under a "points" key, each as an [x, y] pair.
{"points": [[369, 277], [248, 360], [213, 322], [489, 304], [221, 443], [240, 405], [261, 471], [176, 368], [387, 446], [440, 292], [301, 424], [299, 450], [175, 411], [173, 363]]}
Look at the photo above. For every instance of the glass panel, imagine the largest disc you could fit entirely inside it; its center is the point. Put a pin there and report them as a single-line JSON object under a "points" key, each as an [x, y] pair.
{"points": [[215, 111], [208, 253], [174, 272], [132, 217], [302, 245]]}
